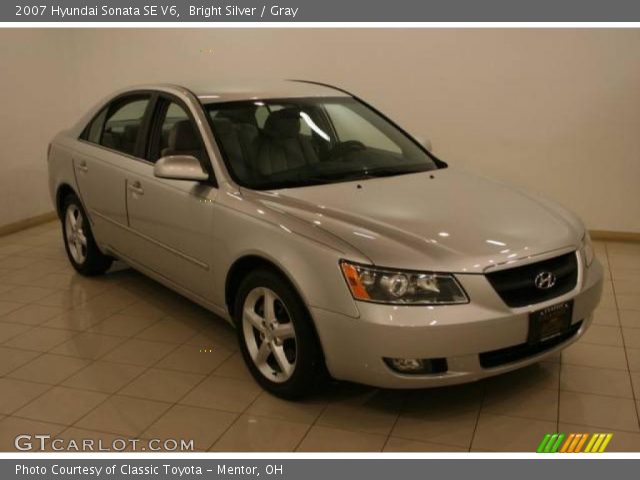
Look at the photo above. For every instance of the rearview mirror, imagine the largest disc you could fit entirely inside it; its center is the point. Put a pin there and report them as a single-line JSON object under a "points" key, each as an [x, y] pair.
{"points": [[180, 167]]}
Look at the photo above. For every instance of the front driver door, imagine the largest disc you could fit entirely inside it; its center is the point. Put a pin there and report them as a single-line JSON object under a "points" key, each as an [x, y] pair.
{"points": [[171, 220]]}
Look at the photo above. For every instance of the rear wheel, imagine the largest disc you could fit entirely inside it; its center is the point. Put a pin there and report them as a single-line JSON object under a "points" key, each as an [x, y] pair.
{"points": [[277, 339], [83, 253]]}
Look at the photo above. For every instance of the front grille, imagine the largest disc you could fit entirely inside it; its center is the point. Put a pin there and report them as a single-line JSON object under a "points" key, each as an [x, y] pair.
{"points": [[516, 286], [496, 358]]}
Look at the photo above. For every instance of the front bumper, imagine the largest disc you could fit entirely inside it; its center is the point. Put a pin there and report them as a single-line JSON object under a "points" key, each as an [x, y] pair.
{"points": [[355, 347]]}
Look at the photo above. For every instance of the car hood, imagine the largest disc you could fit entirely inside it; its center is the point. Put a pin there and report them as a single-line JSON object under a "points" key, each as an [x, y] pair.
{"points": [[445, 220]]}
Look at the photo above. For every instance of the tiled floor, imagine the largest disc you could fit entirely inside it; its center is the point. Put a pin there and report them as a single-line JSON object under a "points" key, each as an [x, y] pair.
{"points": [[121, 356]]}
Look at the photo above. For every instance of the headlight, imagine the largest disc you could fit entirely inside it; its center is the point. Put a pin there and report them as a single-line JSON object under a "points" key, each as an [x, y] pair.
{"points": [[587, 249], [383, 285]]}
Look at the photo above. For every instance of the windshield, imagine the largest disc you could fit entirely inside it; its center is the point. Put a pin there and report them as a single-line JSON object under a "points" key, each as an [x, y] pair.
{"points": [[297, 142]]}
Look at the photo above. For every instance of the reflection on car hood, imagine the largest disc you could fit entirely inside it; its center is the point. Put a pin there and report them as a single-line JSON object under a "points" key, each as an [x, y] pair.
{"points": [[444, 220]]}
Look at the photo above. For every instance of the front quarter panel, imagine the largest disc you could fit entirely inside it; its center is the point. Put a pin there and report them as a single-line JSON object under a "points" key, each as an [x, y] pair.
{"points": [[311, 263]]}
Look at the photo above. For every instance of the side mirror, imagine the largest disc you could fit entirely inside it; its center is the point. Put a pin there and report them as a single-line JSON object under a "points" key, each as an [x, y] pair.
{"points": [[425, 142], [180, 167]]}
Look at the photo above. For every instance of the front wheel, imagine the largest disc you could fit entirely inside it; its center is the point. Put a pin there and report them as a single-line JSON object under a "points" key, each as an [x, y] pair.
{"points": [[276, 336], [83, 253]]}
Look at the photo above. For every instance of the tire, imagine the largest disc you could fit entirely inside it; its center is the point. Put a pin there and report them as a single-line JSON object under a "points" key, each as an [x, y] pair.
{"points": [[306, 373], [82, 251]]}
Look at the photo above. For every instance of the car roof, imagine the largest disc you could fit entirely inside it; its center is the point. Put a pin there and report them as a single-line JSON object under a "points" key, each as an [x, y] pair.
{"points": [[257, 90]]}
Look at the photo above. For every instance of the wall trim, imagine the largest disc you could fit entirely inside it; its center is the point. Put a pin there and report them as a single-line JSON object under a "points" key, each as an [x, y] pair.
{"points": [[613, 236], [27, 223]]}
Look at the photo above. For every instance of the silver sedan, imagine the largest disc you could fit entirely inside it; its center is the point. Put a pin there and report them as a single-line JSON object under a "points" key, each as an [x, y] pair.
{"points": [[337, 244]]}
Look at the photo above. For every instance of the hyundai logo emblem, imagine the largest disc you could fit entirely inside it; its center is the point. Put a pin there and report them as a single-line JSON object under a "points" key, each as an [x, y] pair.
{"points": [[545, 280]]}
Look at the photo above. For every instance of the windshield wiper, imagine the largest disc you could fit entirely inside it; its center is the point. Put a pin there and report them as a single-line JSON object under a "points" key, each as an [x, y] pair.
{"points": [[390, 172], [338, 177], [294, 183]]}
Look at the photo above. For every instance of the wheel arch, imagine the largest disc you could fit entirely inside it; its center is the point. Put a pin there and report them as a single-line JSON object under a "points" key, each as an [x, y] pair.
{"points": [[246, 264], [62, 192]]}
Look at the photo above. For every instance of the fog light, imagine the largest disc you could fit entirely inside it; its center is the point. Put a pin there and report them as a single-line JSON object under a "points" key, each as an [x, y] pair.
{"points": [[406, 364], [417, 366]]}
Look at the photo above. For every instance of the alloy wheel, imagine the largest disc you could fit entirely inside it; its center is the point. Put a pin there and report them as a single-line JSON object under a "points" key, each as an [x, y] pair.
{"points": [[75, 236], [269, 334]]}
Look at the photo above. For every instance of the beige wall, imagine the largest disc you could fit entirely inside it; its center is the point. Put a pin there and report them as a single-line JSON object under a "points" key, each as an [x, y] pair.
{"points": [[35, 100], [554, 111]]}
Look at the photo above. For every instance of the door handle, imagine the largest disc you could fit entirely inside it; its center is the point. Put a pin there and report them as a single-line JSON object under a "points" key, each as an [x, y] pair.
{"points": [[82, 166], [136, 187]]}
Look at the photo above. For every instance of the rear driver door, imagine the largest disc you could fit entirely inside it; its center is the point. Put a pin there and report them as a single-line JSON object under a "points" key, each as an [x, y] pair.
{"points": [[109, 145]]}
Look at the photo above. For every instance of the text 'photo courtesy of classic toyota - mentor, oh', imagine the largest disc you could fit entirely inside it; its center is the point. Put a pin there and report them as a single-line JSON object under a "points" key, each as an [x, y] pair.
{"points": [[337, 244]]}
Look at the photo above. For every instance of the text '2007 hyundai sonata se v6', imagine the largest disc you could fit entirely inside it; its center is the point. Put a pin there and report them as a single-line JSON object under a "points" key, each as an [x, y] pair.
{"points": [[336, 244]]}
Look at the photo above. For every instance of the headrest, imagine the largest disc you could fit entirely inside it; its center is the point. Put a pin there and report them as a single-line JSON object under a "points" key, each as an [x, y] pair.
{"points": [[283, 123], [183, 136], [130, 133], [222, 126], [239, 115]]}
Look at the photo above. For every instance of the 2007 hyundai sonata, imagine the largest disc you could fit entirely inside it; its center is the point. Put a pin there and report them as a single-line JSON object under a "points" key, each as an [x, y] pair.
{"points": [[336, 243]]}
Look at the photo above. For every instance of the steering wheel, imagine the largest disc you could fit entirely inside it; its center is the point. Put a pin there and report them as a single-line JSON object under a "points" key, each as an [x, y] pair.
{"points": [[343, 148]]}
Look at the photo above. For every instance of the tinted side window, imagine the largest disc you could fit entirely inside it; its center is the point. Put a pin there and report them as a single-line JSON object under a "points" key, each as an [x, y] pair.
{"points": [[123, 124], [93, 132], [177, 135]]}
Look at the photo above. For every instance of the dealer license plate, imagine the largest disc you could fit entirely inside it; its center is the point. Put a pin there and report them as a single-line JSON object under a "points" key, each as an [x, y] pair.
{"points": [[550, 322]]}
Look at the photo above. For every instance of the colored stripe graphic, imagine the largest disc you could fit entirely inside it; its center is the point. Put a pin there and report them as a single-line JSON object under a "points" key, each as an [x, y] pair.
{"points": [[543, 443], [599, 442], [567, 443], [574, 443], [581, 442], [558, 443], [596, 446], [551, 443], [590, 444], [605, 442], [576, 439]]}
